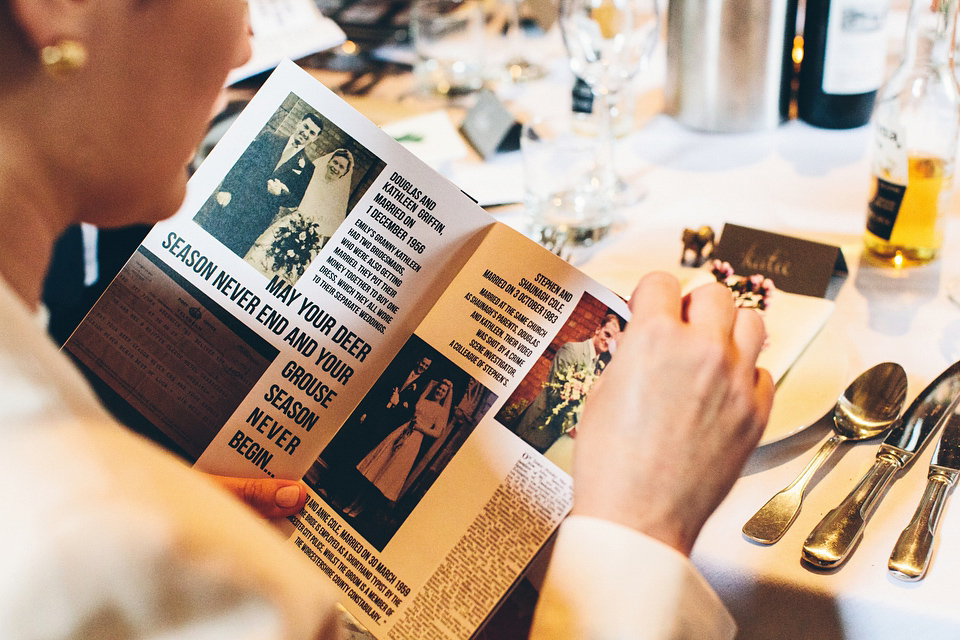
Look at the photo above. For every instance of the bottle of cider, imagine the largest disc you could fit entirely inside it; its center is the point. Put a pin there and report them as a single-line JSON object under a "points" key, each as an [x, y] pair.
{"points": [[916, 123]]}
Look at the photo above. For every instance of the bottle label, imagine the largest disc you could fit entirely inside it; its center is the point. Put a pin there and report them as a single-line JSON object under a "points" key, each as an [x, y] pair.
{"points": [[889, 145], [582, 97], [884, 207], [856, 53]]}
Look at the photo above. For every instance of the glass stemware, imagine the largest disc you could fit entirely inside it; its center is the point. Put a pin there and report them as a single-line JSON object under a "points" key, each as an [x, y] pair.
{"points": [[519, 67], [608, 43]]}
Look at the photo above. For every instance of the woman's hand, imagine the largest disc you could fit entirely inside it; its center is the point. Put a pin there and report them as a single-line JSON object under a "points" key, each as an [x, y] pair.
{"points": [[270, 497], [668, 426]]}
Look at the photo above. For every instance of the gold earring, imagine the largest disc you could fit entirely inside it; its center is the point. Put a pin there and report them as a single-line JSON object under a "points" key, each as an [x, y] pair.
{"points": [[63, 58]]}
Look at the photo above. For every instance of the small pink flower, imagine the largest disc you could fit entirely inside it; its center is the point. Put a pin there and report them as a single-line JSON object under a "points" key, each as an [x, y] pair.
{"points": [[721, 270]]}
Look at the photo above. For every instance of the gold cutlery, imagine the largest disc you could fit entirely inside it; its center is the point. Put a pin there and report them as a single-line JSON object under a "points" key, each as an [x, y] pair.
{"points": [[911, 554], [831, 541], [869, 407]]}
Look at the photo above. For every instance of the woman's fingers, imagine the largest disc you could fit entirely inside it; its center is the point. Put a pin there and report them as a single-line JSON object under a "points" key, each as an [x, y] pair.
{"points": [[270, 497], [686, 381], [710, 308], [749, 334], [656, 294], [764, 389]]}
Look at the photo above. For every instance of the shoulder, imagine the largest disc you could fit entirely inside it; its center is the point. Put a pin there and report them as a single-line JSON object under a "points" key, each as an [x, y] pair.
{"points": [[119, 527], [39, 382], [574, 349], [124, 533], [268, 140]]}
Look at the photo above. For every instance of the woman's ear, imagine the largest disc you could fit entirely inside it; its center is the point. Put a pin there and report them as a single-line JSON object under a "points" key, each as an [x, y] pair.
{"points": [[49, 22]]}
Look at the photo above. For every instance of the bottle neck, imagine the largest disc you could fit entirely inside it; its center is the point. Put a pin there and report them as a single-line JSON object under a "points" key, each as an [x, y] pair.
{"points": [[930, 33]]}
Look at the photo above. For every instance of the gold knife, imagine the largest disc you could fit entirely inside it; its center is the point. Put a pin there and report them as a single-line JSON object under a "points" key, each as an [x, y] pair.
{"points": [[911, 554], [831, 541]]}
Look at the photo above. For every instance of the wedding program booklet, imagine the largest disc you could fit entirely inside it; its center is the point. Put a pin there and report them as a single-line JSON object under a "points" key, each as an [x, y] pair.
{"points": [[326, 307]]}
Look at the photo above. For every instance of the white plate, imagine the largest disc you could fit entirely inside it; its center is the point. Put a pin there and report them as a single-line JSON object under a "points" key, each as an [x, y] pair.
{"points": [[811, 387]]}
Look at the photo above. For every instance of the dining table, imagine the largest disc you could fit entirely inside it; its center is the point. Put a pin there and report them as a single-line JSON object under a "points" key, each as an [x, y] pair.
{"points": [[796, 180]]}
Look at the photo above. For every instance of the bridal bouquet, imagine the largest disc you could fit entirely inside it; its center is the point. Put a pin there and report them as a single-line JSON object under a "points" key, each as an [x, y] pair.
{"points": [[294, 245], [568, 391]]}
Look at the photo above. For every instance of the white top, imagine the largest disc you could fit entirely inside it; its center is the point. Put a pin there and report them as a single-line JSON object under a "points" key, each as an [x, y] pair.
{"points": [[107, 536], [607, 581]]}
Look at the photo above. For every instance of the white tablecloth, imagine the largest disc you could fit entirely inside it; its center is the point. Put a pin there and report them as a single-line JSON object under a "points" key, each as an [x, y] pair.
{"points": [[813, 184]]}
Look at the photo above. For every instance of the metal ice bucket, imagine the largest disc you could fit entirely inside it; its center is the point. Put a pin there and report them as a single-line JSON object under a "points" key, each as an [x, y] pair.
{"points": [[729, 63]]}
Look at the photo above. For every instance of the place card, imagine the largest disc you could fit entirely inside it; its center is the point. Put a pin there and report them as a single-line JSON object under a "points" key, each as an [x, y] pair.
{"points": [[429, 136], [489, 127], [795, 265]]}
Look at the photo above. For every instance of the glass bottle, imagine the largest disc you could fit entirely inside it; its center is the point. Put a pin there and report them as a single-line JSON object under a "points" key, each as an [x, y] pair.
{"points": [[584, 121], [916, 123], [844, 61]]}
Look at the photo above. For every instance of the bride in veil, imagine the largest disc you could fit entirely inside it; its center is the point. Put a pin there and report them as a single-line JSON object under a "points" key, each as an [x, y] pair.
{"points": [[389, 465], [296, 235]]}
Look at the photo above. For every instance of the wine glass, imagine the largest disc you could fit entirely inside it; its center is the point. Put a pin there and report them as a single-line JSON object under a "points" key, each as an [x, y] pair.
{"points": [[608, 42], [519, 68]]}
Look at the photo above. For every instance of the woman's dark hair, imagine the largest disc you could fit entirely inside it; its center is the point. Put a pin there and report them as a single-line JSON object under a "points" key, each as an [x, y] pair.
{"points": [[343, 153]]}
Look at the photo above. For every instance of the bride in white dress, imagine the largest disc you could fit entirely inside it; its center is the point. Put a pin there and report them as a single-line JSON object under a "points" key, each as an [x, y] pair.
{"points": [[389, 465], [296, 235]]}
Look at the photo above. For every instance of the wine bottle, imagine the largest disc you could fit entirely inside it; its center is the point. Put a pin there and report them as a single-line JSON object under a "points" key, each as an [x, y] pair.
{"points": [[844, 60]]}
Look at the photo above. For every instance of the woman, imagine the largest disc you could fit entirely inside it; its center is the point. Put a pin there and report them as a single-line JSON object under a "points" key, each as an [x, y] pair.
{"points": [[294, 238], [389, 465], [64, 71], [102, 103], [325, 200]]}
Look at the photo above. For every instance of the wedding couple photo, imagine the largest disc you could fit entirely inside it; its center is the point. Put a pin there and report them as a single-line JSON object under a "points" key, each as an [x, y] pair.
{"points": [[545, 407], [289, 191], [398, 440]]}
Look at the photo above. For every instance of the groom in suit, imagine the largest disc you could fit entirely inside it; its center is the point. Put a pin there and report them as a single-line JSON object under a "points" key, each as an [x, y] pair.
{"points": [[593, 353], [273, 172], [390, 403], [403, 398]]}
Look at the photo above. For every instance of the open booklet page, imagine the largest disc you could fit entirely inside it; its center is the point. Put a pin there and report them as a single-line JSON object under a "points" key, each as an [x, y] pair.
{"points": [[326, 307]]}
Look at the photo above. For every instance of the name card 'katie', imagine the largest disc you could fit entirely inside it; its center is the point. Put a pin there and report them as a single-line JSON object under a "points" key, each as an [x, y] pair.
{"points": [[796, 266], [489, 127]]}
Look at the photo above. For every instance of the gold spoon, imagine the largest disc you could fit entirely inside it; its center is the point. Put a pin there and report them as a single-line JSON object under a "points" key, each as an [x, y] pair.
{"points": [[869, 407]]}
